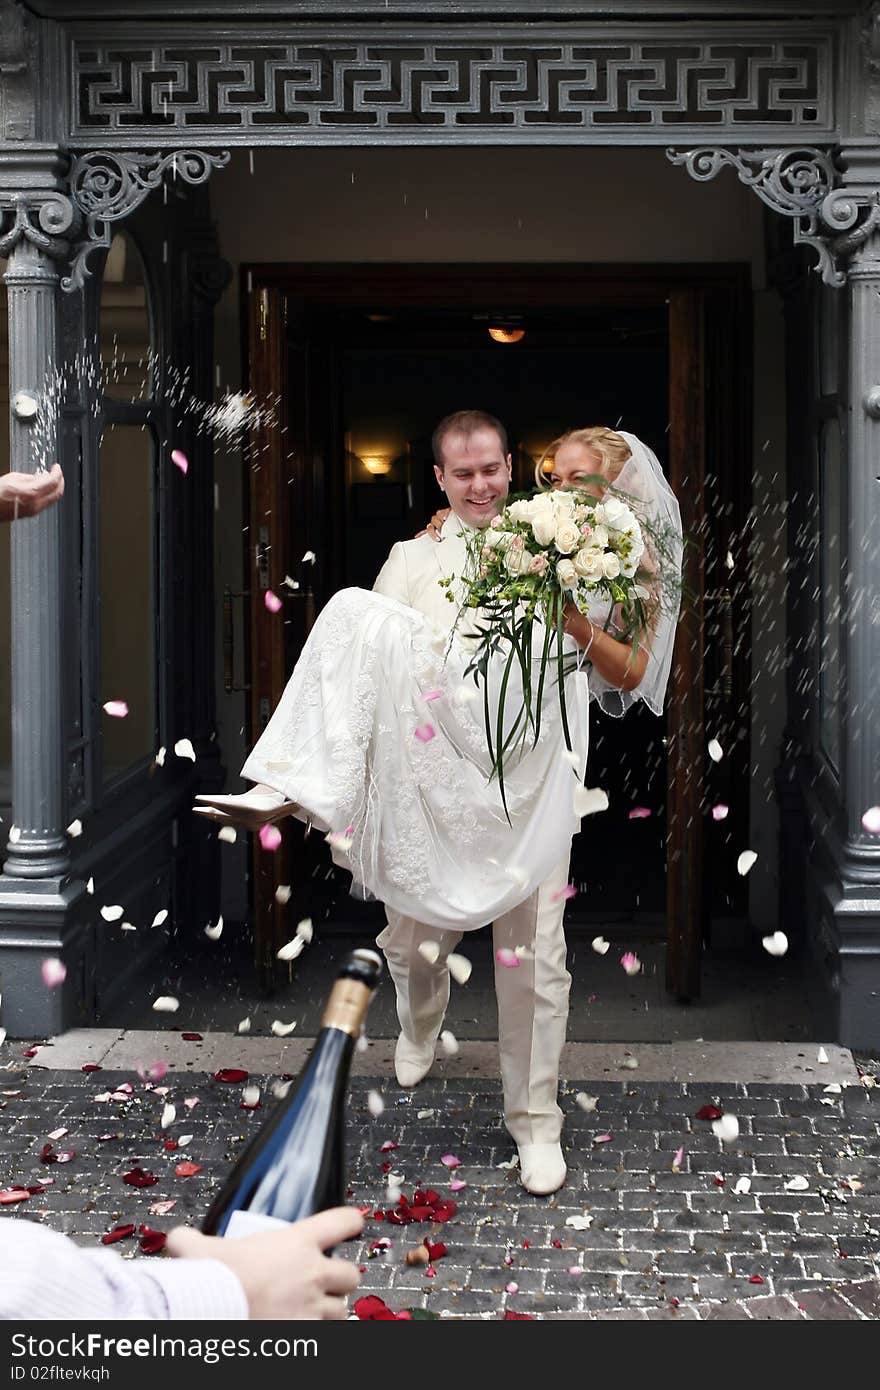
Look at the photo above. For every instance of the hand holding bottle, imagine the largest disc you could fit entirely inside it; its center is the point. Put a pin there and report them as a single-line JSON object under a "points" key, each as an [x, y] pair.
{"points": [[284, 1272]]}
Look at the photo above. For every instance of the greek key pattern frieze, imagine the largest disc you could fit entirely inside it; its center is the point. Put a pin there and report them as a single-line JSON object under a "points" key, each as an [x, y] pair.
{"points": [[420, 90]]}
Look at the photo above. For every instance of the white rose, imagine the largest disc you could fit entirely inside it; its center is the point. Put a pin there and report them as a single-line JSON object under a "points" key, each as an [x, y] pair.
{"points": [[500, 540], [566, 574], [518, 561], [519, 511], [568, 537], [544, 526], [617, 514], [563, 501], [588, 562], [610, 565], [599, 537], [599, 513]]}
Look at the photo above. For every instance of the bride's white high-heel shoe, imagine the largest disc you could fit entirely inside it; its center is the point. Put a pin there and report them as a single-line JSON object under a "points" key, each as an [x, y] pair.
{"points": [[260, 806]]}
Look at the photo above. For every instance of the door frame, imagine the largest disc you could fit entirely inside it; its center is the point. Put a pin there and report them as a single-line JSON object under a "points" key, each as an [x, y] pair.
{"points": [[709, 312]]}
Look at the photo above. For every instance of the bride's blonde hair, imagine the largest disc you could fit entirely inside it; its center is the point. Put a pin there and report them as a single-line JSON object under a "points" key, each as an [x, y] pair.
{"points": [[611, 447]]}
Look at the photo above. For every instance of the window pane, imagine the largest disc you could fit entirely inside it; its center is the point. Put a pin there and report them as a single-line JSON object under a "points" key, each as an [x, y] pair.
{"points": [[830, 579], [128, 594], [125, 323]]}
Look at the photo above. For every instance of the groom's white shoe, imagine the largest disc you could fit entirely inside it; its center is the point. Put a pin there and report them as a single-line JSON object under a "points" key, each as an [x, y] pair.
{"points": [[412, 1061], [542, 1168]]}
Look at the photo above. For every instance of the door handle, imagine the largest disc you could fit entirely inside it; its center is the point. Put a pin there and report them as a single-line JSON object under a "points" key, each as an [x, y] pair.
{"points": [[229, 597]]}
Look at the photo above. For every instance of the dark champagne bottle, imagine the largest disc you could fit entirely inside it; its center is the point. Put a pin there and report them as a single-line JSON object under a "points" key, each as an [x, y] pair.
{"points": [[295, 1165]]}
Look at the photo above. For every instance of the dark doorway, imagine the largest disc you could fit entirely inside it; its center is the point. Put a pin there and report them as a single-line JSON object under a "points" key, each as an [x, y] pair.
{"points": [[365, 360]]}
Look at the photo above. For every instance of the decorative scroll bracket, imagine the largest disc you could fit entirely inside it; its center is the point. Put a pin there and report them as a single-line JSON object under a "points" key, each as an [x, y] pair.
{"points": [[107, 185], [800, 184]]}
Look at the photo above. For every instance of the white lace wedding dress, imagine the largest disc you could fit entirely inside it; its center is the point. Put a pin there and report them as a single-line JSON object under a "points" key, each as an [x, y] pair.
{"points": [[427, 830]]}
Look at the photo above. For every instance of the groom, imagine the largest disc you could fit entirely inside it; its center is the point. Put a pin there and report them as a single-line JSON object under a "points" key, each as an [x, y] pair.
{"points": [[473, 468]]}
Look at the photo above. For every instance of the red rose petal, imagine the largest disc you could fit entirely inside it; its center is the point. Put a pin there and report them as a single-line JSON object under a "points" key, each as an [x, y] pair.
{"points": [[117, 1233], [13, 1194], [755, 1279], [170, 1145], [510, 1316], [371, 1308], [138, 1177], [192, 1037], [435, 1252], [29, 1052], [187, 1169], [152, 1241], [231, 1074], [708, 1112], [91, 1066]]}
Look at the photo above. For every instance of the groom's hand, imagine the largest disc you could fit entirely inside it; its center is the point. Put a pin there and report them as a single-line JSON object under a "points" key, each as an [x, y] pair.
{"points": [[435, 525]]}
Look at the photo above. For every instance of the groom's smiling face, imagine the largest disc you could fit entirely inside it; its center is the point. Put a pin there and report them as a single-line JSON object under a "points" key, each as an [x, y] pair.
{"points": [[475, 475]]}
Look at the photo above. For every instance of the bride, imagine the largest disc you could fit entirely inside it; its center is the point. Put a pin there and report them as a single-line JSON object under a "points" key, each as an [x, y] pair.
{"points": [[379, 737]]}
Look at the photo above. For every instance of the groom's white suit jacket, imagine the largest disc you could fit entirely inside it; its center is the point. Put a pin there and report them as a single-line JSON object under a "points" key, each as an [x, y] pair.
{"points": [[412, 572]]}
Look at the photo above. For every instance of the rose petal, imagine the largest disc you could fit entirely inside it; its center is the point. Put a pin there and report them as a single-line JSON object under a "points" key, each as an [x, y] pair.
{"points": [[588, 800], [75, 829], [776, 944], [282, 894], [639, 813], [166, 1004], [139, 1177], [429, 951], [456, 1184], [631, 963], [9, 1195], [292, 949], [871, 821], [720, 811], [112, 913], [270, 837], [600, 945], [449, 1043], [231, 1074], [821, 1056], [603, 1138], [563, 894], [742, 1185], [715, 751], [282, 1030], [160, 917], [459, 968], [187, 1169], [53, 971], [797, 1184], [577, 1223], [183, 749], [151, 1241], [162, 1208], [169, 1115], [118, 1233], [745, 862], [509, 959], [678, 1160], [272, 601], [726, 1128], [586, 1103], [375, 1104], [117, 709], [450, 1161], [214, 932], [425, 732], [305, 929], [180, 460]]}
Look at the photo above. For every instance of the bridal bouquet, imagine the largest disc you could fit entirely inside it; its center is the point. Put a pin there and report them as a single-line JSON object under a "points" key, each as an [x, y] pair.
{"points": [[542, 552]]}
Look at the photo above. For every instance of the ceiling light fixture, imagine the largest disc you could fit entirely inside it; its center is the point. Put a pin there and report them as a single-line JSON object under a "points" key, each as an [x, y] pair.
{"points": [[506, 333]]}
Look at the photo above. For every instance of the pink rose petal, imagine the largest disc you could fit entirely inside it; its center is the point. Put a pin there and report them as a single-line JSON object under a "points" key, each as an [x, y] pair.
{"points": [[569, 891], [456, 1184], [678, 1160], [630, 962], [603, 1138], [180, 460], [511, 1287], [270, 837], [450, 1161], [509, 959], [871, 821], [429, 695], [720, 811], [639, 813], [53, 971], [272, 601], [117, 709], [425, 732], [154, 1071]]}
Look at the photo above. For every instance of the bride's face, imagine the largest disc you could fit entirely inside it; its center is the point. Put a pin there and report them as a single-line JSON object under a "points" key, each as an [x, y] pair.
{"points": [[573, 464]]}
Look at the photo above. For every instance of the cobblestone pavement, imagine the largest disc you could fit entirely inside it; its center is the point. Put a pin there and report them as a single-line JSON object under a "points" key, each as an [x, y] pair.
{"points": [[627, 1237]]}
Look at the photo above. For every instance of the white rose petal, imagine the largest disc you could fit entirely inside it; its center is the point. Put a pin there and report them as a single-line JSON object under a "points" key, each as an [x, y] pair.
{"points": [[282, 894], [821, 1055], [160, 758], [282, 1030], [250, 1097], [166, 1004], [588, 800], [305, 929], [586, 1103], [429, 951], [742, 1185], [600, 945], [726, 1129], [160, 917], [213, 933], [459, 968], [834, 1088], [449, 1043], [183, 749], [75, 829], [776, 944], [580, 1223], [716, 752], [127, 926], [292, 949], [244, 1026], [169, 1115], [798, 1184], [375, 1104], [112, 913], [745, 862], [630, 1063], [90, 886], [183, 1140], [228, 834]]}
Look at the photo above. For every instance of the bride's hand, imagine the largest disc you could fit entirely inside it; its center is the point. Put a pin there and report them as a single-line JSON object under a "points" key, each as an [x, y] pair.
{"points": [[435, 525]]}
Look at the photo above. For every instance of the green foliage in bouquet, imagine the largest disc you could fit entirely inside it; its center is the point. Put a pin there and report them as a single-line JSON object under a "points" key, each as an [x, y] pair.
{"points": [[543, 551]]}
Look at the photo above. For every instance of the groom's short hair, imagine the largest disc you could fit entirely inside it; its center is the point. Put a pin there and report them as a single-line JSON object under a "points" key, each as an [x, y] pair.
{"points": [[465, 422]]}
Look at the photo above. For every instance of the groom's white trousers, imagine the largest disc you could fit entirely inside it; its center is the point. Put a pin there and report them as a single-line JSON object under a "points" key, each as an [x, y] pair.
{"points": [[532, 1000]]}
